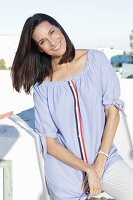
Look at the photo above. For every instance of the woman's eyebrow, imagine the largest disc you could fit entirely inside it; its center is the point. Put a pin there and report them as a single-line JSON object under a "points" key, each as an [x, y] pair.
{"points": [[40, 40], [48, 33]]}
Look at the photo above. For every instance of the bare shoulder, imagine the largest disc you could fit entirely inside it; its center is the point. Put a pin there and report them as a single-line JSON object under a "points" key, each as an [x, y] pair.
{"points": [[81, 55], [81, 52]]}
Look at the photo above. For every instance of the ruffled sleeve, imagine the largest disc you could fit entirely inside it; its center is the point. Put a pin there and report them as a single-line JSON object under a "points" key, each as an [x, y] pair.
{"points": [[110, 85], [44, 124]]}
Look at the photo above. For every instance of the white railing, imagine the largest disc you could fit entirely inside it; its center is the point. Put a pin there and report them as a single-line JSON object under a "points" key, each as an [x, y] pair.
{"points": [[6, 179]]}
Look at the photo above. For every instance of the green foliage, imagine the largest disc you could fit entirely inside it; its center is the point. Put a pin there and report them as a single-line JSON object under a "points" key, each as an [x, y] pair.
{"points": [[2, 64], [9, 68]]}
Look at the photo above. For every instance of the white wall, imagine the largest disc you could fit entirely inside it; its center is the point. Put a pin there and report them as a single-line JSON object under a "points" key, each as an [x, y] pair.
{"points": [[10, 100], [8, 46]]}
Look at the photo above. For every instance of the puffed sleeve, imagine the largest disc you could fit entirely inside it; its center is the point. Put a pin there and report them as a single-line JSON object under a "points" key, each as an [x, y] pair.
{"points": [[44, 124], [110, 85]]}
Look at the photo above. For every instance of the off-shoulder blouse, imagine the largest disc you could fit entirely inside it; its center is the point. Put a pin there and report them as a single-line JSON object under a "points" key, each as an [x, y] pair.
{"points": [[73, 111]]}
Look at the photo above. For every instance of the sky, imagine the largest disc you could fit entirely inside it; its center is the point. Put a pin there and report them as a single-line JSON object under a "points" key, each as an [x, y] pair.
{"points": [[89, 23]]}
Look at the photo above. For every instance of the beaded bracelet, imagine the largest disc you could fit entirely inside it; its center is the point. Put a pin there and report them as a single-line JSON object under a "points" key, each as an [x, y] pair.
{"points": [[101, 152]]}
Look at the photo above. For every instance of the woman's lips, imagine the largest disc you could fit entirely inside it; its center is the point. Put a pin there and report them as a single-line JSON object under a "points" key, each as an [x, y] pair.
{"points": [[58, 47]]}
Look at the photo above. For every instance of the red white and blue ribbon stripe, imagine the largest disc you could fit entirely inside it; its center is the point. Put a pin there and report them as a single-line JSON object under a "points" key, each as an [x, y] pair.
{"points": [[78, 121]]}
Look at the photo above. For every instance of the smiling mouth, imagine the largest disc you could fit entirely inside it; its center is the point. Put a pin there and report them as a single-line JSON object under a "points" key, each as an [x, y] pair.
{"points": [[57, 47]]}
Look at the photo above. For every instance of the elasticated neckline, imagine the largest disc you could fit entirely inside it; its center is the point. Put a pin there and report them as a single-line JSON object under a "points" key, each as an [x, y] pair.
{"points": [[74, 77]]}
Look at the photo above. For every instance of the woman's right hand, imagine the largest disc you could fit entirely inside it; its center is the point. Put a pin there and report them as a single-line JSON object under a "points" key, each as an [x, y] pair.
{"points": [[92, 183]]}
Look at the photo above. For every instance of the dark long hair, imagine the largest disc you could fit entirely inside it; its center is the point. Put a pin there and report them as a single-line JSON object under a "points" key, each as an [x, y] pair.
{"points": [[30, 65]]}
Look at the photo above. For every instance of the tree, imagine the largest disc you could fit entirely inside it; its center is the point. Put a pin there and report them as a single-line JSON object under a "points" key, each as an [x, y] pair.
{"points": [[2, 64], [9, 68]]}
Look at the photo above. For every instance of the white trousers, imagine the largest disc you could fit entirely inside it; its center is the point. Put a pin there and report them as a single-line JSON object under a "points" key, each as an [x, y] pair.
{"points": [[118, 181]]}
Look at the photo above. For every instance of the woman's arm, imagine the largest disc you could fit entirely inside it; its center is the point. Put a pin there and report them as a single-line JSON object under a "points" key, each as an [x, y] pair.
{"points": [[64, 155], [110, 89], [60, 152], [112, 121]]}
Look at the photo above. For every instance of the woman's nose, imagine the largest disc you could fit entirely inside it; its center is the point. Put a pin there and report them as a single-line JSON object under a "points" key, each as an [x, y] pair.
{"points": [[52, 42]]}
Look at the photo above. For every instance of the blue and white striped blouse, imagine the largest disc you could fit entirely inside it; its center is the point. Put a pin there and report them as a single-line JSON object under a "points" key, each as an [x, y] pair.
{"points": [[72, 110]]}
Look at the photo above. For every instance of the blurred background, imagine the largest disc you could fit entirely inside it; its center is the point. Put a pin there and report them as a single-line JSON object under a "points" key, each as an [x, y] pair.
{"points": [[90, 24]]}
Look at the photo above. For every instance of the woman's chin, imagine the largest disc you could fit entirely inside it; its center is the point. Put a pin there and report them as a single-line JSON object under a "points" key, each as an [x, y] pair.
{"points": [[58, 54]]}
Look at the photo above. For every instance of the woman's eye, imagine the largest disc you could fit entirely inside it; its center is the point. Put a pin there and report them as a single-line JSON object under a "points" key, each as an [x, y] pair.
{"points": [[41, 42], [52, 32]]}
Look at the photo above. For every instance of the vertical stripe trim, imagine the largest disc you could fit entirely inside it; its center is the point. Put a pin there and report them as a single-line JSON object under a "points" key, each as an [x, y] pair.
{"points": [[78, 121]]}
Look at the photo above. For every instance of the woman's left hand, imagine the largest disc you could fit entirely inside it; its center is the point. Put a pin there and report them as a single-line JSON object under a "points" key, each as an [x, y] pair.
{"points": [[99, 166]]}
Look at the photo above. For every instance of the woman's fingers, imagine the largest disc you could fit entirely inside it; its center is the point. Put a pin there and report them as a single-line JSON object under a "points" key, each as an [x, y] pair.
{"points": [[85, 182], [95, 189], [86, 188], [95, 185], [92, 183]]}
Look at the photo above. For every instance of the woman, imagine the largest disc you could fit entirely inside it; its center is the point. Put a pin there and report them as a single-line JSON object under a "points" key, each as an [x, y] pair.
{"points": [[76, 100]]}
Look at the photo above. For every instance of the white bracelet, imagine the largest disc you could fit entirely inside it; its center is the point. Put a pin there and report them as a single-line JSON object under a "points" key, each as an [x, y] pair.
{"points": [[101, 152]]}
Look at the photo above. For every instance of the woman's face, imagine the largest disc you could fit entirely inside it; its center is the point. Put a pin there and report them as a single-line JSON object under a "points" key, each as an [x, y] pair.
{"points": [[49, 39]]}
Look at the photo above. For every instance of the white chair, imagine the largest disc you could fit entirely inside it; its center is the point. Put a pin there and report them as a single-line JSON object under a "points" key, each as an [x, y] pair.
{"points": [[19, 144]]}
